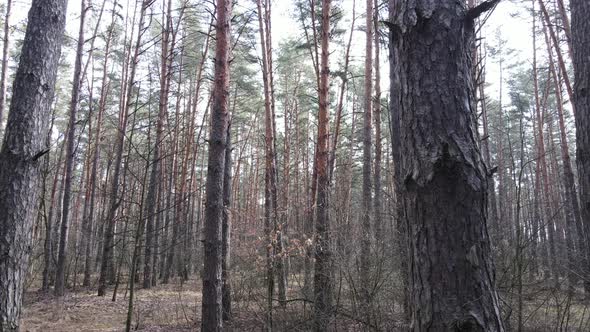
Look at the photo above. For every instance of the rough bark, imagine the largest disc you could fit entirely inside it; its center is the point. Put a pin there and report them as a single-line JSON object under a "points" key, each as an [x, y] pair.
{"points": [[24, 144], [212, 270], [444, 177], [395, 131]]}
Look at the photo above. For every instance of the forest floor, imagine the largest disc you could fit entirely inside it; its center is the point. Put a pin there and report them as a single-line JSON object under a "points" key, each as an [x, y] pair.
{"points": [[170, 307], [176, 307]]}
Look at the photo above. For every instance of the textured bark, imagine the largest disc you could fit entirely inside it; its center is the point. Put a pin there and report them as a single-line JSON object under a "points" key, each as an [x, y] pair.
{"points": [[4, 70], [70, 158], [24, 144], [445, 179], [212, 270], [480, 74], [323, 251], [401, 237], [581, 51]]}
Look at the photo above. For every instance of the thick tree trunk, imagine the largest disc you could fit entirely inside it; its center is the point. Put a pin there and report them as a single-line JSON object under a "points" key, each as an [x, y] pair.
{"points": [[70, 158], [581, 51], [401, 237], [444, 179], [24, 144], [323, 245], [212, 270]]}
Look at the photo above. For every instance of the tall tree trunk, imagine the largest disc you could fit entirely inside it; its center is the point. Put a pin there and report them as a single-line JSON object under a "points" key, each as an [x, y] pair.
{"points": [[212, 270], [24, 144], [377, 202], [48, 242], [89, 218], [544, 174], [226, 231], [155, 170], [340, 105], [4, 70], [106, 266], [574, 228], [70, 157], [560, 61], [365, 264], [395, 131], [270, 208], [581, 51], [445, 180], [565, 24], [323, 245]]}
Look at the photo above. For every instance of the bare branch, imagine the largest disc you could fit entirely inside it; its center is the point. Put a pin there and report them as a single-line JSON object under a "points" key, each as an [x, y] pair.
{"points": [[483, 7]]}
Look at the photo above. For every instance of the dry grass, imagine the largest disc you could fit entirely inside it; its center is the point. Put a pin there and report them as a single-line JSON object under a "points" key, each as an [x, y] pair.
{"points": [[171, 307]]}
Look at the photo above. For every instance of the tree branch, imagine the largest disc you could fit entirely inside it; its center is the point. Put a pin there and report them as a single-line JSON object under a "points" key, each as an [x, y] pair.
{"points": [[483, 7]]}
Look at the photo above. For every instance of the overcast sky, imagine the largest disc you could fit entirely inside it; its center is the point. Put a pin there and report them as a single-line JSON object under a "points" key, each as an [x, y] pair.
{"points": [[509, 18]]}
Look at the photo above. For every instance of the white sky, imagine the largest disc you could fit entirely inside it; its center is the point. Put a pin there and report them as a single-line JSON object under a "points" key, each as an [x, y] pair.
{"points": [[515, 29]]}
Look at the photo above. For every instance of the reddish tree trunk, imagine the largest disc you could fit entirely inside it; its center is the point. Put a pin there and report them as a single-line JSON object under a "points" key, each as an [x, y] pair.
{"points": [[212, 270]]}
